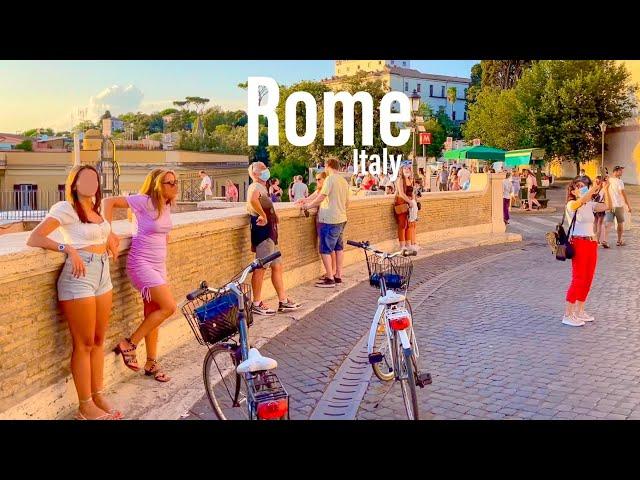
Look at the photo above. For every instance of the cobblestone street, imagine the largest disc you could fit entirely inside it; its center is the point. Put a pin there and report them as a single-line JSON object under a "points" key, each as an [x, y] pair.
{"points": [[487, 321]]}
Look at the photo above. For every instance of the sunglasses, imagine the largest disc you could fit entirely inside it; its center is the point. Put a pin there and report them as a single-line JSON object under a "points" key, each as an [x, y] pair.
{"points": [[173, 184]]}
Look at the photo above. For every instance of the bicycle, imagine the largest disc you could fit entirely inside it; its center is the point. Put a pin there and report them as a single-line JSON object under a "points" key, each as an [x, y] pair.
{"points": [[239, 373], [392, 347]]}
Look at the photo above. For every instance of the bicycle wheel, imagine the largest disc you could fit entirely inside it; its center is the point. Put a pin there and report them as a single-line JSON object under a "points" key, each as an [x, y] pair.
{"points": [[227, 391], [384, 369], [407, 379]]}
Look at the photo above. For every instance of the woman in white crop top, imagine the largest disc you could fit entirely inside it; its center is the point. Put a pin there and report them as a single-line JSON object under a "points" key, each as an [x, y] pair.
{"points": [[580, 210], [84, 284]]}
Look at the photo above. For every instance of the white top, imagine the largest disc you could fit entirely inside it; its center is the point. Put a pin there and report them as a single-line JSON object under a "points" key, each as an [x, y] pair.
{"points": [[76, 233], [616, 186], [299, 191], [263, 192], [507, 188], [584, 218], [206, 185], [464, 176]]}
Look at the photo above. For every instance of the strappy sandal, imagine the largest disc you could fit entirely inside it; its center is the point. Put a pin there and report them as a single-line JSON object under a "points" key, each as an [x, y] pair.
{"points": [[620, 243], [129, 355], [156, 372], [80, 416], [116, 414]]}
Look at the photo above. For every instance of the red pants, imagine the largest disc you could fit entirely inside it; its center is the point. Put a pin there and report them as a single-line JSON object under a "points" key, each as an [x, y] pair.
{"points": [[583, 266]]}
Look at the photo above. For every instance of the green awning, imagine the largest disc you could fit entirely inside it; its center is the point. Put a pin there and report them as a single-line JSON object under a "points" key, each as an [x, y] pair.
{"points": [[526, 156], [479, 152]]}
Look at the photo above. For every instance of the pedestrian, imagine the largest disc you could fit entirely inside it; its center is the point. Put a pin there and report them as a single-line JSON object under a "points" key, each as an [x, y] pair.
{"points": [[320, 178], [264, 240], [275, 192], [147, 264], [84, 284], [580, 210], [454, 181], [585, 178], [515, 182], [299, 189], [443, 179], [368, 182], [507, 193], [405, 200], [464, 175], [333, 201], [206, 185], [619, 201], [532, 190], [598, 224], [231, 192]]}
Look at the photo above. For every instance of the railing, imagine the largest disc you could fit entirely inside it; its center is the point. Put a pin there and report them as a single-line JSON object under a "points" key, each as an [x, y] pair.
{"points": [[20, 205], [189, 189]]}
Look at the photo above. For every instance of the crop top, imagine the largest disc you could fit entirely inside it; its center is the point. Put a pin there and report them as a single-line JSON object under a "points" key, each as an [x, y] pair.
{"points": [[76, 233]]}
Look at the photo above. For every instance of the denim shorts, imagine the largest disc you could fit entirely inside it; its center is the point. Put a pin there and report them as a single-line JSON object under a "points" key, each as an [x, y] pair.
{"points": [[96, 282], [331, 237]]}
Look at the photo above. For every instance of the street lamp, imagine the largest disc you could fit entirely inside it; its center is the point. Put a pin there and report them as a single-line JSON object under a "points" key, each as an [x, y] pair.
{"points": [[415, 106], [603, 128]]}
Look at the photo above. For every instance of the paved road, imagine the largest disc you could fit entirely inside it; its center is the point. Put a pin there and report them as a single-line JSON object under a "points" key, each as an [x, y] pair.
{"points": [[490, 334]]}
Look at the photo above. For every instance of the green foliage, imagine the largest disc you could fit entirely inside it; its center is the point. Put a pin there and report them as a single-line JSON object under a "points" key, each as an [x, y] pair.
{"points": [[502, 74], [225, 139], [26, 145], [34, 132], [285, 170]]}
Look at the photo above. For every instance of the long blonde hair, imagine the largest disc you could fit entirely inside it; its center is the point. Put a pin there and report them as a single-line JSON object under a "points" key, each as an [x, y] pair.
{"points": [[152, 187]]}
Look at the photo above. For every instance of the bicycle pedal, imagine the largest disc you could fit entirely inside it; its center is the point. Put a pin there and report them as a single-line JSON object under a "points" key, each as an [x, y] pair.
{"points": [[375, 357], [423, 379]]}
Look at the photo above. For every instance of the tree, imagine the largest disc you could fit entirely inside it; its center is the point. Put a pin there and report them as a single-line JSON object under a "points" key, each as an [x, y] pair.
{"points": [[476, 84], [106, 114], [34, 132], [26, 145], [502, 73], [262, 90], [563, 102], [84, 125], [452, 94]]}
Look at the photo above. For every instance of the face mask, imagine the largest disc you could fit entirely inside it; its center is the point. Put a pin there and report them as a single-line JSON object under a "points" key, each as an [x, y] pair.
{"points": [[584, 190], [265, 174]]}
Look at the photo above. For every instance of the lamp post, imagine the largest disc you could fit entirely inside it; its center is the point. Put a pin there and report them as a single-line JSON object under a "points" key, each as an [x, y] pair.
{"points": [[603, 128], [415, 106]]}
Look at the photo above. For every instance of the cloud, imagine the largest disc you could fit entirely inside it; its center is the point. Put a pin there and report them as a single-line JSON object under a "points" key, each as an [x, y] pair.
{"points": [[116, 99]]}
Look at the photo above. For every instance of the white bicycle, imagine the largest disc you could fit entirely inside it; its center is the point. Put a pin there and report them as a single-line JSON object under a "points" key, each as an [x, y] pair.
{"points": [[392, 347]]}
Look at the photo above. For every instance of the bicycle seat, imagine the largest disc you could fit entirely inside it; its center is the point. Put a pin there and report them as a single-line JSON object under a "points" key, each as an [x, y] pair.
{"points": [[390, 298], [256, 363]]}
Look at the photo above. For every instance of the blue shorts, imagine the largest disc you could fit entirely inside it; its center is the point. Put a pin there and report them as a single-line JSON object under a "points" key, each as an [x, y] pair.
{"points": [[331, 237]]}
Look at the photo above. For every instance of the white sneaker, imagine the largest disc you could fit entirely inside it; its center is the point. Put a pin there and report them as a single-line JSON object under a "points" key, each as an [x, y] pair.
{"points": [[572, 321], [415, 247], [584, 316]]}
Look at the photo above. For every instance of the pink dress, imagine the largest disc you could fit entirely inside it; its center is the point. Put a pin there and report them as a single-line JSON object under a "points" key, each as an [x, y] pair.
{"points": [[146, 263]]}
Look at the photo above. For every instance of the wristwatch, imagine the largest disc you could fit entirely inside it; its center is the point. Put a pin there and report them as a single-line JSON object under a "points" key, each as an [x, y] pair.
{"points": [[61, 247]]}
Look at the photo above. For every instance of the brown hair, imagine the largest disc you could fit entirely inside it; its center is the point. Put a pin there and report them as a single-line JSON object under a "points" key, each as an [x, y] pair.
{"points": [[322, 175], [71, 194], [571, 188], [332, 162]]}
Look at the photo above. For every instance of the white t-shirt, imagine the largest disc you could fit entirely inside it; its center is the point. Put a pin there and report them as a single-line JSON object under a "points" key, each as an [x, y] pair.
{"points": [[507, 188], [263, 192], [464, 176], [584, 219], [299, 191], [616, 186], [206, 185], [76, 233]]}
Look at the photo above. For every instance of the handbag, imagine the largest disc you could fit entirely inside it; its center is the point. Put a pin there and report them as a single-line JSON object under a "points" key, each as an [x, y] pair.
{"points": [[564, 249], [402, 208]]}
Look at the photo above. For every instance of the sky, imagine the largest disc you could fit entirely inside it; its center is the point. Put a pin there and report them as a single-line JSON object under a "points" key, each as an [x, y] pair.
{"points": [[48, 94]]}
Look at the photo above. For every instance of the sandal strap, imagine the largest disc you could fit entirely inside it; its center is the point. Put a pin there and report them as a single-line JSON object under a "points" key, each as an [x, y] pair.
{"points": [[87, 400]]}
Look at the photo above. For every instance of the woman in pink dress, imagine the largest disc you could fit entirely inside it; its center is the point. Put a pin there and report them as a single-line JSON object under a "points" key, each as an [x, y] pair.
{"points": [[146, 264], [231, 192]]}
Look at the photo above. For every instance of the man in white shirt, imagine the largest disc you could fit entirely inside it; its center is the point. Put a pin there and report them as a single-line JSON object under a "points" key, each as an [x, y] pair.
{"points": [[205, 185], [619, 201], [507, 193], [299, 189], [464, 175]]}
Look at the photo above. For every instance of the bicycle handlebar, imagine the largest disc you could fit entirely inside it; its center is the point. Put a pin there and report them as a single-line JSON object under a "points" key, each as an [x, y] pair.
{"points": [[257, 263], [366, 246]]}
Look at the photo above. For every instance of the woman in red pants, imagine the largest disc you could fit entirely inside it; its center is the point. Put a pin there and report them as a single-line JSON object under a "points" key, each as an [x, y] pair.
{"points": [[580, 205]]}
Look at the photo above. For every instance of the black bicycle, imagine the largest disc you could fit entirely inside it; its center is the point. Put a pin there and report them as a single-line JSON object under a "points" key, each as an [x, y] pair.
{"points": [[240, 383]]}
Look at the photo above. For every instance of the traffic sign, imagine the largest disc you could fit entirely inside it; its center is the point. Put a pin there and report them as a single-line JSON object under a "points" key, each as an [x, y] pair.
{"points": [[425, 138]]}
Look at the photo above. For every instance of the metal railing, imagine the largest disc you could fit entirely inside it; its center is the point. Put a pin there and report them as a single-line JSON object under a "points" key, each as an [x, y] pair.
{"points": [[20, 205]]}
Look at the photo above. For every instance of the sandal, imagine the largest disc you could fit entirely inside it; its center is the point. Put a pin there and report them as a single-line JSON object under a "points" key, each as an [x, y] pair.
{"points": [[157, 373], [605, 244], [80, 416], [129, 355], [620, 243], [116, 414]]}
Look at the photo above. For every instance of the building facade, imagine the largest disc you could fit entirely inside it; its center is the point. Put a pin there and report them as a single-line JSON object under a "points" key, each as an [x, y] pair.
{"points": [[397, 75]]}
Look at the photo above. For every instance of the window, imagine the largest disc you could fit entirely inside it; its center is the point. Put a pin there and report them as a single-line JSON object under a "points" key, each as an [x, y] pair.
{"points": [[25, 196], [406, 86], [442, 91], [431, 90], [464, 116], [61, 191], [418, 87], [453, 115], [404, 64]]}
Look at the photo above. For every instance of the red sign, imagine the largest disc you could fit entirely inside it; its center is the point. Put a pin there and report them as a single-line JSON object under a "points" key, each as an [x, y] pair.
{"points": [[425, 138]]}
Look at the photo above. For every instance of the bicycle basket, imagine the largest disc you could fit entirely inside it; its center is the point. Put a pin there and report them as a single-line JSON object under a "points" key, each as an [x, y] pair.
{"points": [[396, 271], [213, 317]]}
